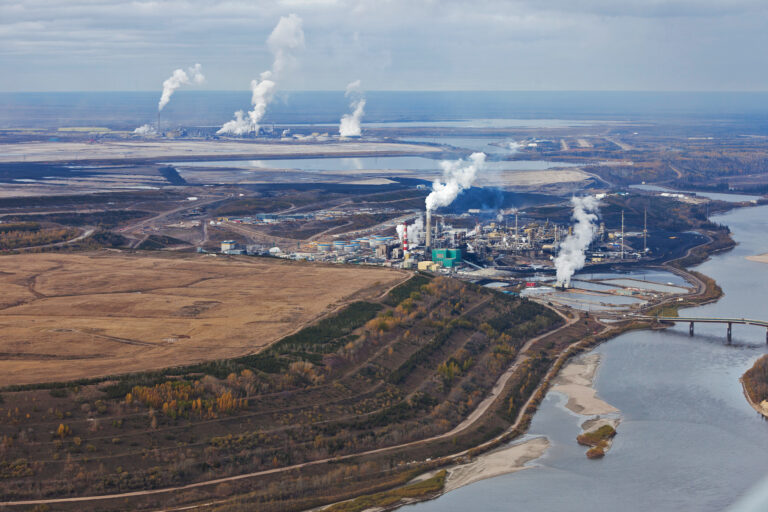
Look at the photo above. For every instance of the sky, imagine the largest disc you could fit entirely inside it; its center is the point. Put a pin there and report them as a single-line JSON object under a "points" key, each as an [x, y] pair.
{"points": [[532, 45]]}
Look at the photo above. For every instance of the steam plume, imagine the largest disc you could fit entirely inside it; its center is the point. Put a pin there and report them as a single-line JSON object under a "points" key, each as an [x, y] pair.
{"points": [[145, 129], [286, 38], [571, 255], [350, 123], [415, 232], [177, 79], [458, 175]]}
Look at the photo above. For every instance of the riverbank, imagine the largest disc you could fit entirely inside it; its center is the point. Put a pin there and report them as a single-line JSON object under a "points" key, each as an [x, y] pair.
{"points": [[575, 381], [572, 374], [760, 258], [754, 383], [509, 459]]}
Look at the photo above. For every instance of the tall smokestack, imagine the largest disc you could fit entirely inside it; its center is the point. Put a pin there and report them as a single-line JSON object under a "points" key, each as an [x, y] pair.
{"points": [[428, 245]]}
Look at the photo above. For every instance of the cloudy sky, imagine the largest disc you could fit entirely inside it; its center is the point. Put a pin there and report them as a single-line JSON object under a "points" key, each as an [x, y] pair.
{"points": [[70, 45]]}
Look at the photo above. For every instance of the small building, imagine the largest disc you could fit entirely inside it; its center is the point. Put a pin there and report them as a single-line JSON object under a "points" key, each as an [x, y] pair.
{"points": [[447, 258], [428, 265], [228, 245]]}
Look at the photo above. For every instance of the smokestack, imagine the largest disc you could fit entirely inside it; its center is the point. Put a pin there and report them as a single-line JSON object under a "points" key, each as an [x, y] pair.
{"points": [[622, 234], [428, 244], [405, 238]]}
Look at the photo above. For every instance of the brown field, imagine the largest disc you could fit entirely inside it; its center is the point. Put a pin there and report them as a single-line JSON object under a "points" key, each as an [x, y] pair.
{"points": [[68, 316]]}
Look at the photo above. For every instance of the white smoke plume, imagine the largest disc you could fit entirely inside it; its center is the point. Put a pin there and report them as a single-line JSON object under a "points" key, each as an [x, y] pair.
{"points": [[458, 175], [145, 129], [286, 38], [571, 254], [514, 146], [415, 232], [177, 79], [350, 123]]}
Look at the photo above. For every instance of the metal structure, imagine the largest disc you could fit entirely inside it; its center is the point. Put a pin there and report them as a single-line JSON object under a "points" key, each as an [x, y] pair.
{"points": [[712, 320]]}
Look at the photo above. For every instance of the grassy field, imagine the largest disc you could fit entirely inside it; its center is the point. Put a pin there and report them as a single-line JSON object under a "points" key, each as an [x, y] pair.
{"points": [[74, 316]]}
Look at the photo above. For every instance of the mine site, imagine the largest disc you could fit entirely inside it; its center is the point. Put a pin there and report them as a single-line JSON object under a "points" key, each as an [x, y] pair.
{"points": [[278, 298]]}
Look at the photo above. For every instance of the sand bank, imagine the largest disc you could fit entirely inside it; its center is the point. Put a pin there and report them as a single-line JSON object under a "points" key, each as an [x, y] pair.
{"points": [[500, 462], [760, 258], [575, 382]]}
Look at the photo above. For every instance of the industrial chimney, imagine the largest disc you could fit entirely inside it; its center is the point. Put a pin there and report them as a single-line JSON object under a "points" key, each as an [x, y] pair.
{"points": [[428, 244]]}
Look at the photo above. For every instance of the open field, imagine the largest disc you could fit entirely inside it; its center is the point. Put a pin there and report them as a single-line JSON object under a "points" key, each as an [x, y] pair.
{"points": [[70, 316], [173, 150]]}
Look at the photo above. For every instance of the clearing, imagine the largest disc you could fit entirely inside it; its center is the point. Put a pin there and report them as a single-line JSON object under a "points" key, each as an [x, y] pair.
{"points": [[72, 316]]}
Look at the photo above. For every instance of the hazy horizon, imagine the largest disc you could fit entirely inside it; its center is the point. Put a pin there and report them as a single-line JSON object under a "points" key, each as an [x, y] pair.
{"points": [[633, 45]]}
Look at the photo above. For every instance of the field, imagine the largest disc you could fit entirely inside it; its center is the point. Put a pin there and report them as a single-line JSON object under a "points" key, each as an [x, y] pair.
{"points": [[72, 316], [165, 150]]}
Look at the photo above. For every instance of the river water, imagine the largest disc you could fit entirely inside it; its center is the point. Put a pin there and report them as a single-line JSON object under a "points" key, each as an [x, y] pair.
{"points": [[688, 439]]}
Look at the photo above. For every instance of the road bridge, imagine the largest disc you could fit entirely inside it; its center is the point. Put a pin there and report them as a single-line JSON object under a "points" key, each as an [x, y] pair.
{"points": [[713, 320]]}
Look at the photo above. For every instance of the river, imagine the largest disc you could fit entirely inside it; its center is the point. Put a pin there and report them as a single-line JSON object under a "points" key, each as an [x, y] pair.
{"points": [[688, 439]]}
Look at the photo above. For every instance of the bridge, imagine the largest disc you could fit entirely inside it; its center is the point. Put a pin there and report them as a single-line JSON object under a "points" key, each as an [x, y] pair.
{"points": [[711, 320]]}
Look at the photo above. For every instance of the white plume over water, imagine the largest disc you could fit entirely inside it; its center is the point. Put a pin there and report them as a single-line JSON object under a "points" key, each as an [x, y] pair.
{"points": [[415, 232], [458, 175], [572, 251], [285, 40], [350, 123], [193, 75]]}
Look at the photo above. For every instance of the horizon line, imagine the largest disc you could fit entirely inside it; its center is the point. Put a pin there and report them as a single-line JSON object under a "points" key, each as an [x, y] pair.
{"points": [[509, 91]]}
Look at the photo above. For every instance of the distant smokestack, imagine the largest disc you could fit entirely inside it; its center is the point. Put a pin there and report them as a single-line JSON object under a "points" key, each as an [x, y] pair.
{"points": [[428, 244], [405, 238]]}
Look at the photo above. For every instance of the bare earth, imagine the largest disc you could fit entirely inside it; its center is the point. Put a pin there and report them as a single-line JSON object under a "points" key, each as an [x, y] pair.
{"points": [[760, 258], [575, 381], [169, 150], [69, 316], [500, 462]]}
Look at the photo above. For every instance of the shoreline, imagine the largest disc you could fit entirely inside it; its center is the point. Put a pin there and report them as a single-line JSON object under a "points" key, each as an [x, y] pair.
{"points": [[501, 461], [576, 381], [751, 402], [759, 258]]}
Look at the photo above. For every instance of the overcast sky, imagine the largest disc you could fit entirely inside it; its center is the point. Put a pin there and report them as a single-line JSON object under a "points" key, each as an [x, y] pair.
{"points": [[71, 45]]}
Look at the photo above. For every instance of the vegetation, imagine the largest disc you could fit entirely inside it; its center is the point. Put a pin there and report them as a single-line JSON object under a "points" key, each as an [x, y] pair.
{"points": [[755, 381], [598, 440], [107, 219], [30, 234], [253, 205], [425, 488], [157, 242], [374, 374]]}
